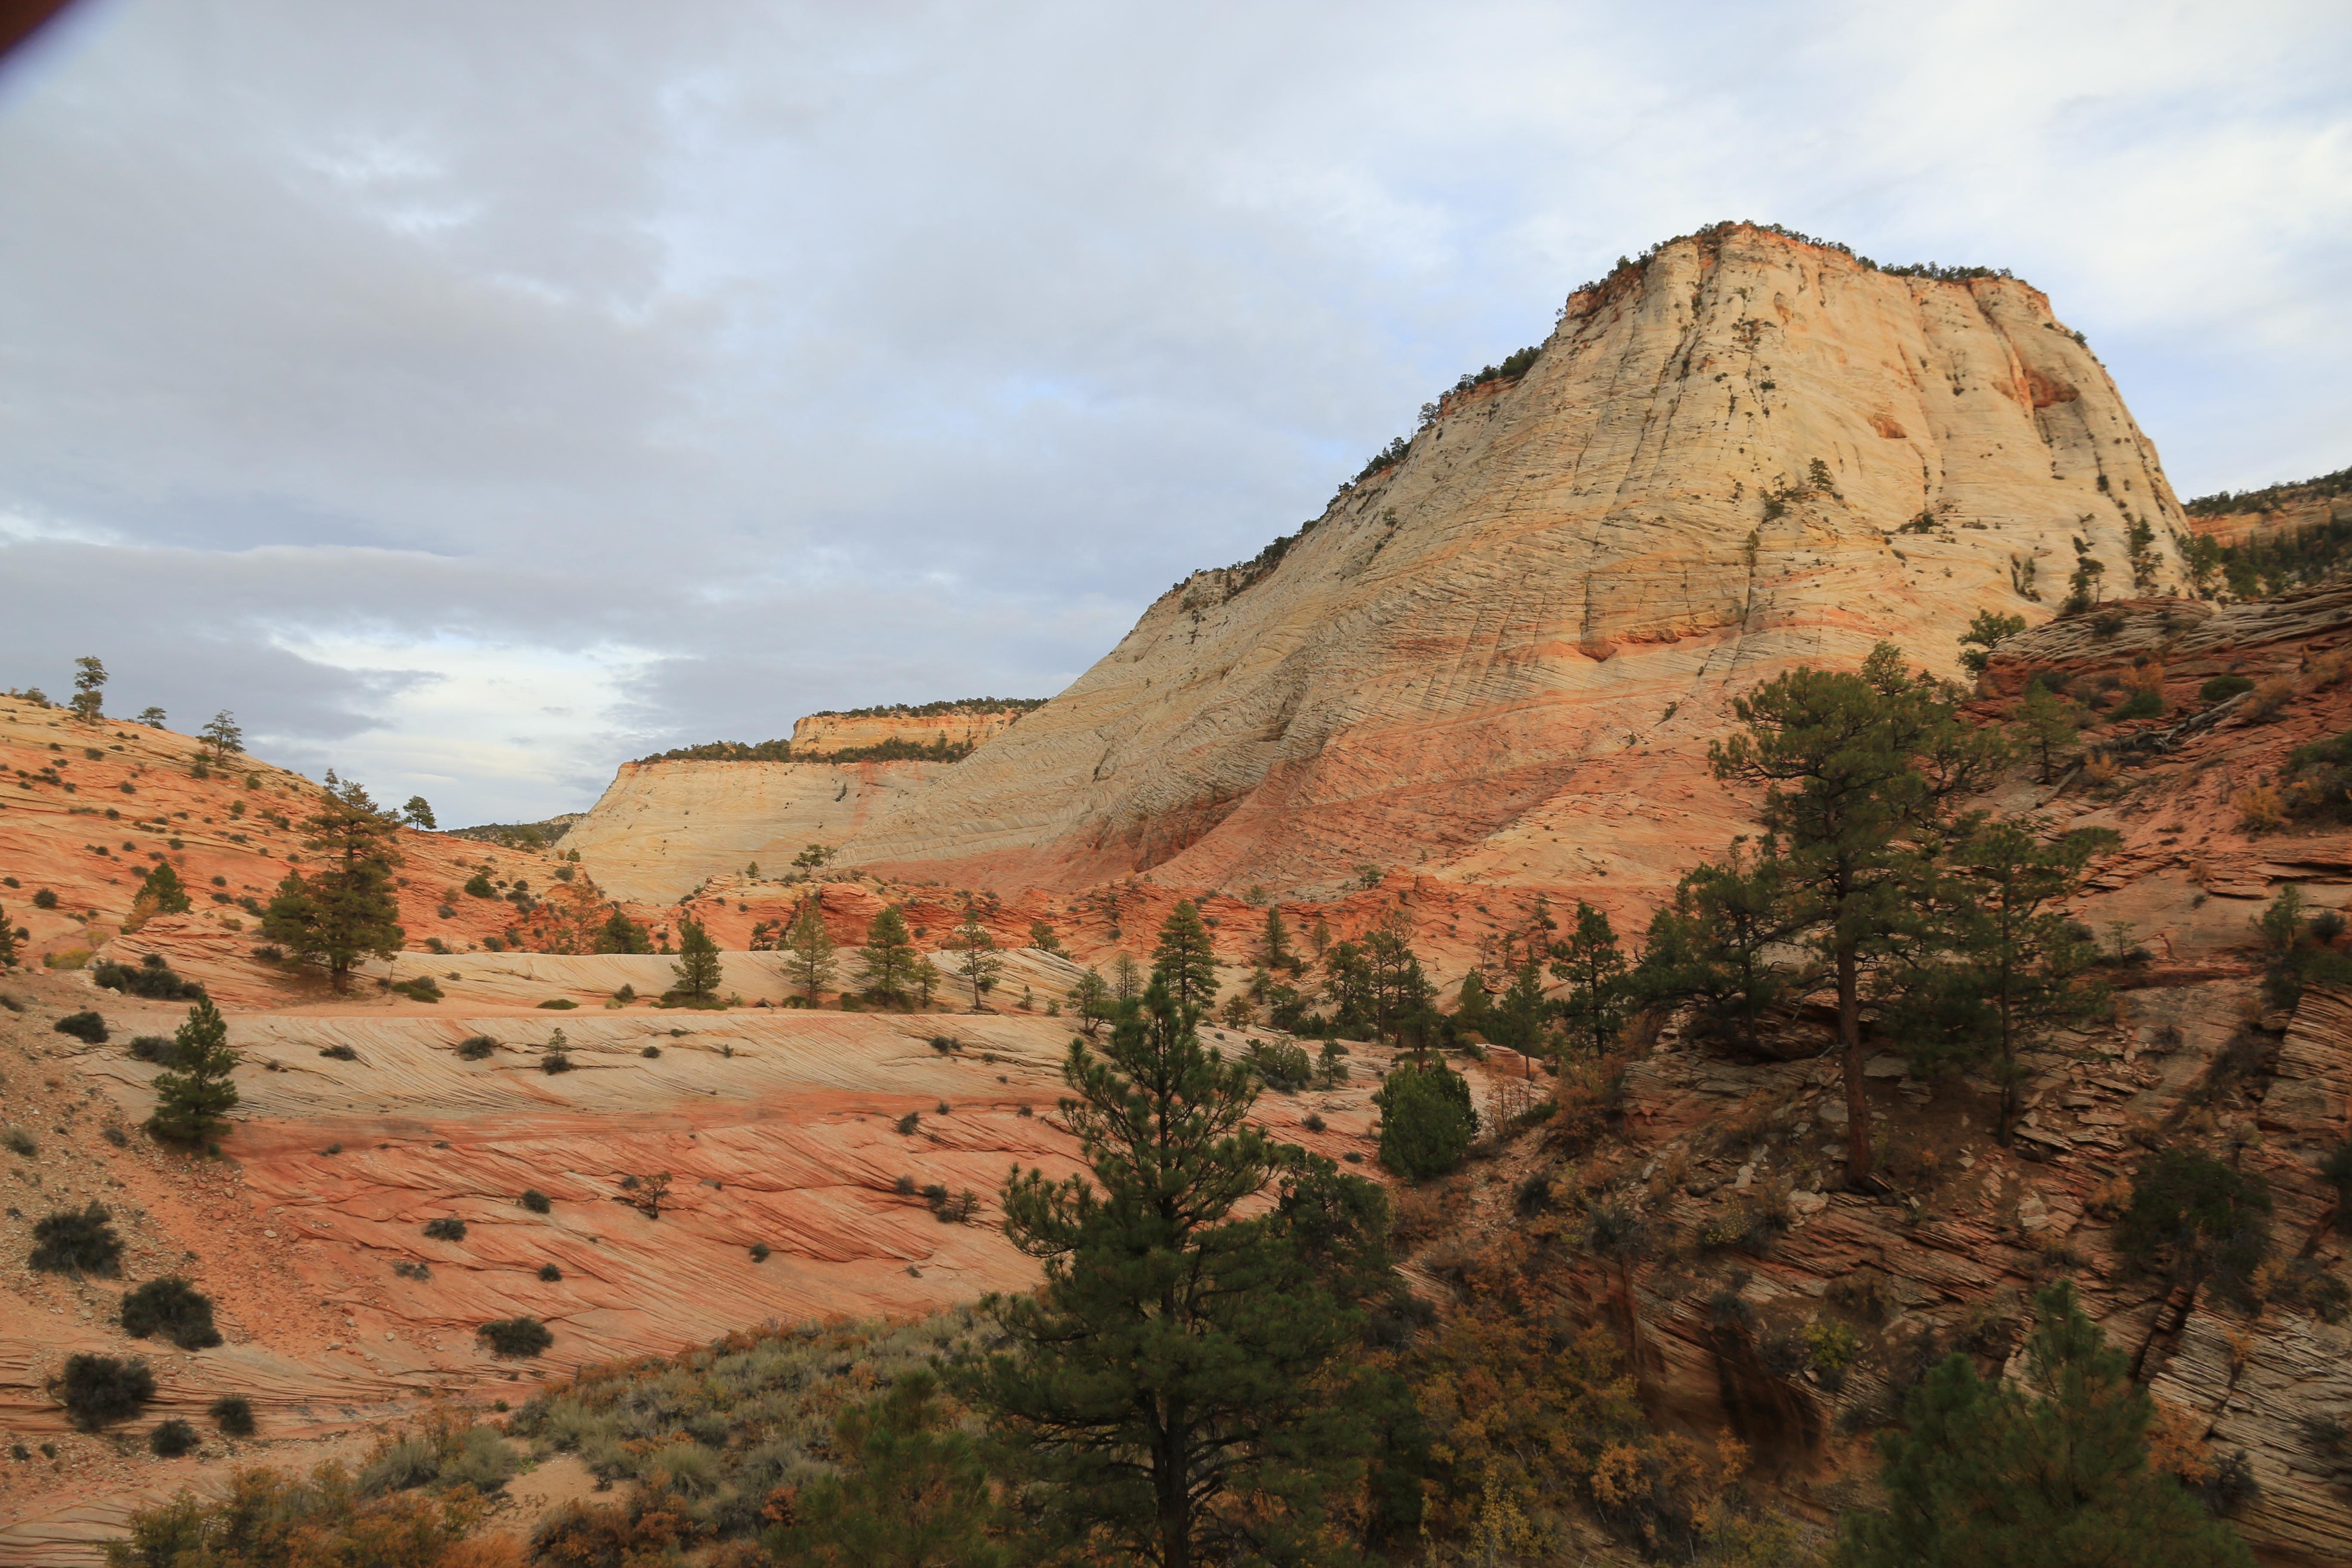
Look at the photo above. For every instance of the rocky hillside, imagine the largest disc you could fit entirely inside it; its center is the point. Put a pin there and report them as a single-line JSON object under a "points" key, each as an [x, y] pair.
{"points": [[1744, 451]]}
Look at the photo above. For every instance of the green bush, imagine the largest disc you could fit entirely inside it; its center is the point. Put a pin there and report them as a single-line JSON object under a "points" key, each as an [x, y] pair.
{"points": [[550, 1272], [515, 1337], [233, 1414], [20, 1141], [1281, 1067], [2141, 704], [99, 1390], [77, 1241], [475, 1049], [1426, 1119], [2221, 687], [535, 1200], [478, 884], [171, 1439], [151, 977], [173, 1308], [447, 1228], [154, 1049], [84, 1026]]}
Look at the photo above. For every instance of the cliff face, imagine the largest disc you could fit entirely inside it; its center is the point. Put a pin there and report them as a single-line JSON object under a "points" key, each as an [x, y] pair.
{"points": [[662, 828], [1706, 476], [824, 732]]}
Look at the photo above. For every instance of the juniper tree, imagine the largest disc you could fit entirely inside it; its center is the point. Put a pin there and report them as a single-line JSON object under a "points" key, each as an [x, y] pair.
{"points": [[2053, 1475], [890, 955], [977, 962], [163, 891], [810, 946], [1987, 632], [1860, 770], [2005, 967], [1183, 960], [348, 909], [194, 1096], [619, 933], [1182, 1385], [698, 969], [1594, 967]]}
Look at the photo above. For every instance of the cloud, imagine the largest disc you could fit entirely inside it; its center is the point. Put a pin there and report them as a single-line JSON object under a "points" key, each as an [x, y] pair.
{"points": [[396, 377]]}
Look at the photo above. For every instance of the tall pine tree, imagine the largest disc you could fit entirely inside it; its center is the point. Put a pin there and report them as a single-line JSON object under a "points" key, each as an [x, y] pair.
{"points": [[698, 967], [194, 1095], [811, 961], [348, 909], [1719, 946], [977, 962], [890, 955], [1594, 967], [1184, 961], [1181, 1384], [1859, 770]]}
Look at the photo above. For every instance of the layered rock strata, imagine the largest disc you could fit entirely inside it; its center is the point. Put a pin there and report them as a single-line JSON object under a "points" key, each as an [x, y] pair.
{"points": [[1746, 452]]}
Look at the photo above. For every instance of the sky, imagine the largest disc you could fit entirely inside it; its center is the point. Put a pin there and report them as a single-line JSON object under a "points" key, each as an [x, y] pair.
{"points": [[470, 397]]}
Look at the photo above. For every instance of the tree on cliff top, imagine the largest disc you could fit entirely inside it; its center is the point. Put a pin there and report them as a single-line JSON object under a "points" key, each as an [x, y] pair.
{"points": [[90, 689], [977, 963], [348, 910], [1860, 770]]}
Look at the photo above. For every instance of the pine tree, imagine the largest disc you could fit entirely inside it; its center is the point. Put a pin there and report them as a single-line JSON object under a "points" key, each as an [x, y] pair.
{"points": [[163, 885], [7, 940], [151, 716], [1594, 967], [1397, 993], [977, 964], [418, 812], [619, 933], [698, 969], [348, 910], [1426, 1119], [2047, 726], [194, 1094], [2057, 1477], [2194, 1219], [90, 689], [926, 982], [1473, 1004], [1184, 961], [810, 946], [1517, 1019], [1715, 947], [1182, 1383], [890, 955], [1987, 632], [221, 736], [1126, 978], [2007, 966], [1090, 998], [1859, 770], [1274, 949]]}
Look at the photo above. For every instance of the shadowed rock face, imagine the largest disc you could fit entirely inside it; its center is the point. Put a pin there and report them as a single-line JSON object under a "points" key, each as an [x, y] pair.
{"points": [[1552, 592]]}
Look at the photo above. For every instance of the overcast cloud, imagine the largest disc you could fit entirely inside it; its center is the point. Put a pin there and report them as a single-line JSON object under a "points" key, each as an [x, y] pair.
{"points": [[474, 395]]}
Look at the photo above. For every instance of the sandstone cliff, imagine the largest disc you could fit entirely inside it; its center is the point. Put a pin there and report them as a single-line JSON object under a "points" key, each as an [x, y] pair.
{"points": [[1707, 475], [662, 828], [957, 726]]}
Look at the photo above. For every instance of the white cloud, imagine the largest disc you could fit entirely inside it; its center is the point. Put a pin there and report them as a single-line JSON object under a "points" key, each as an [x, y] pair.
{"points": [[709, 364]]}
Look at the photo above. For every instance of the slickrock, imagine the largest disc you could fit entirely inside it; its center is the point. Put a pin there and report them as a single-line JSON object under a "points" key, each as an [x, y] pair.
{"points": [[661, 829], [1549, 598]]}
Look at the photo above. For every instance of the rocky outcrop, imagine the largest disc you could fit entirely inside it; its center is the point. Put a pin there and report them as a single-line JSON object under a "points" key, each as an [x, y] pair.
{"points": [[661, 829], [1747, 452], [954, 726]]}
